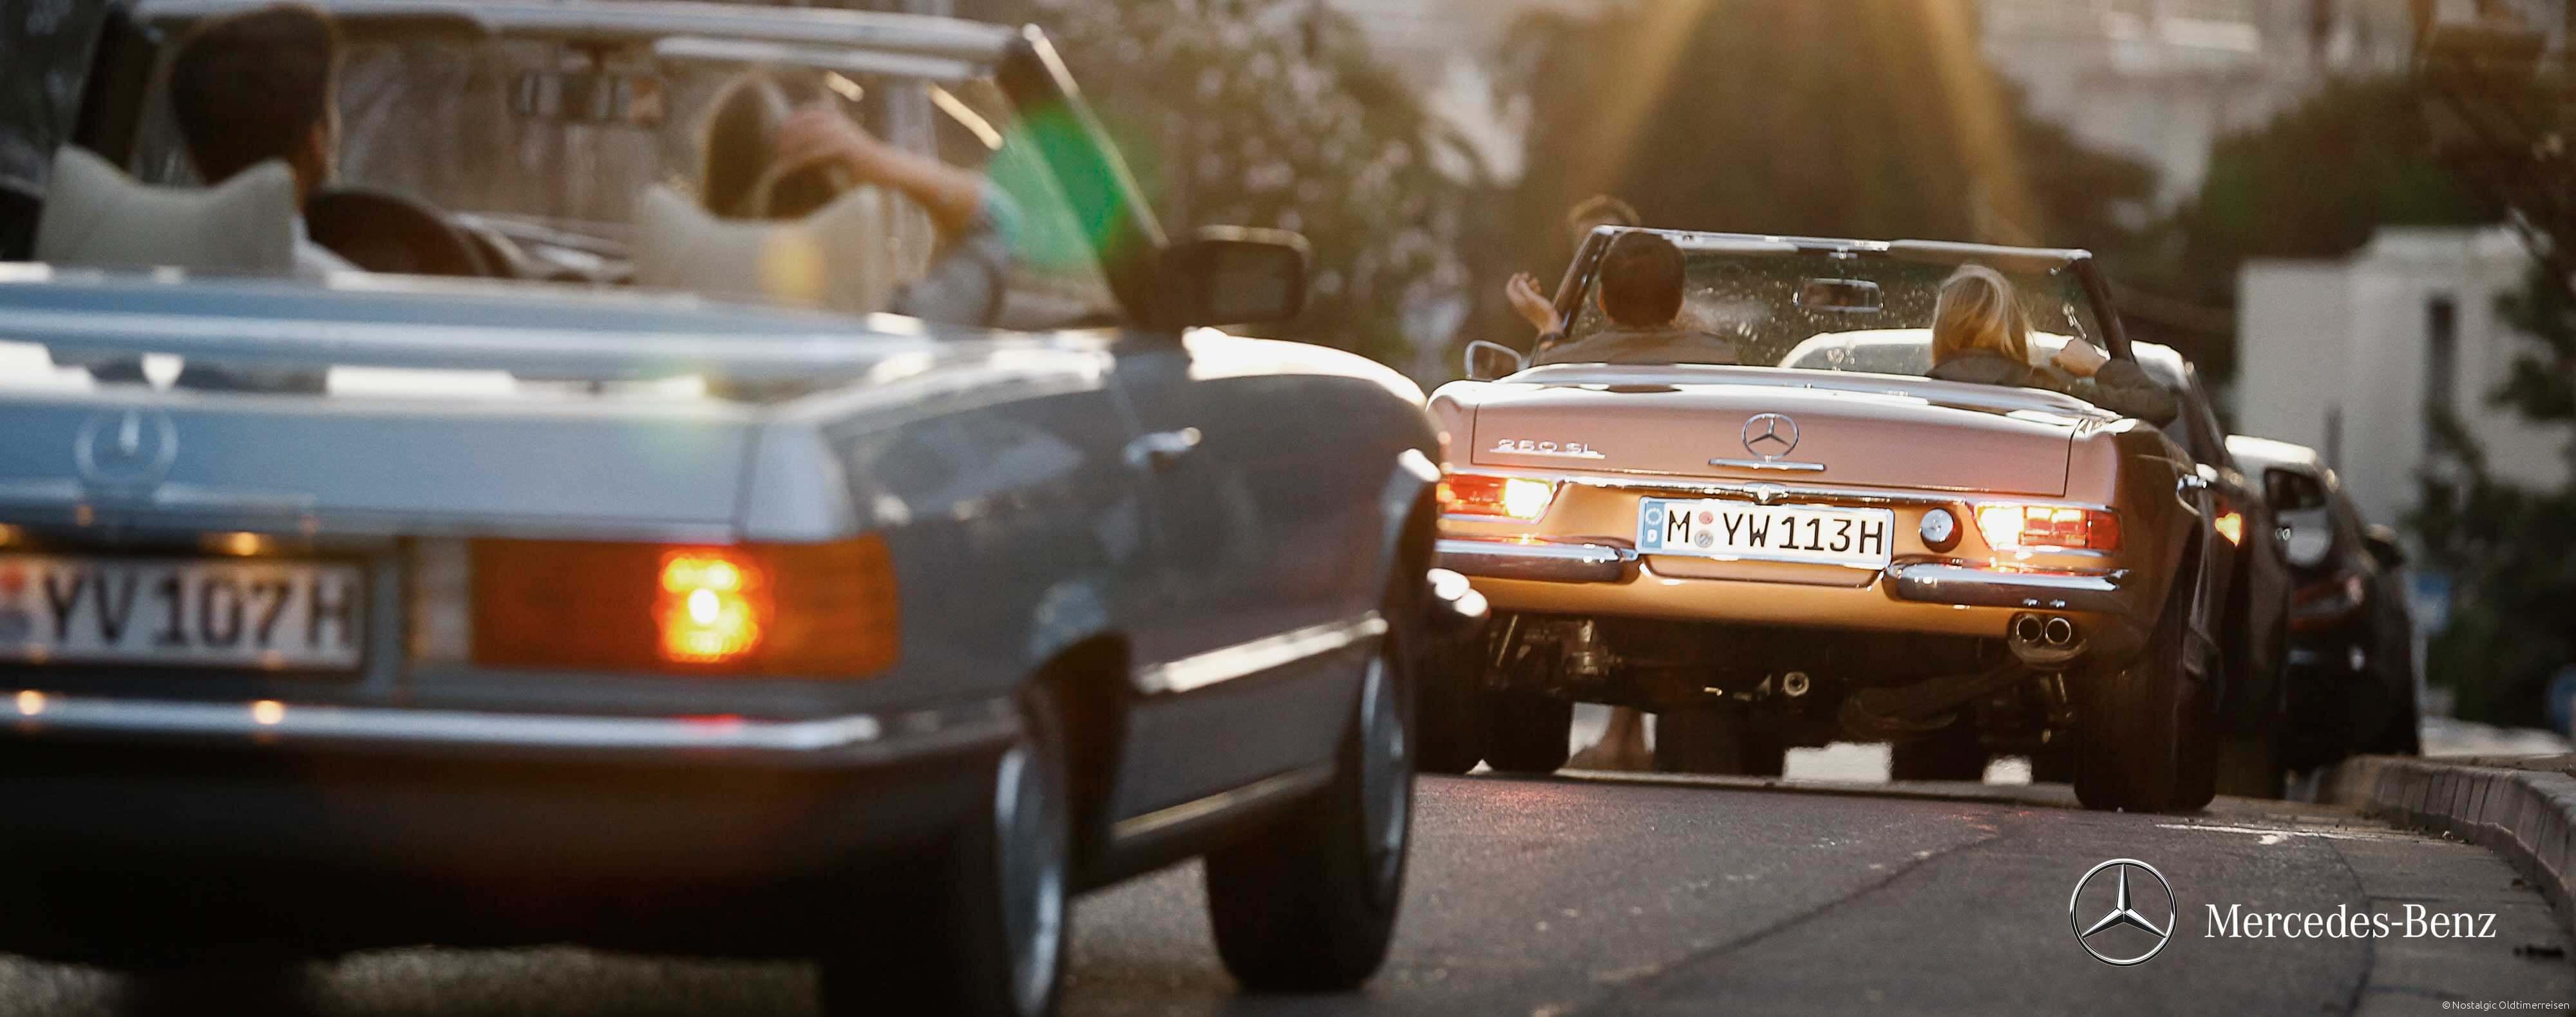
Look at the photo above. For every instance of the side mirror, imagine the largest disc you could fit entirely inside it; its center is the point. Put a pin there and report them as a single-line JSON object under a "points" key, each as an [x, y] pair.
{"points": [[1488, 361], [1234, 275], [2381, 541], [2307, 537]]}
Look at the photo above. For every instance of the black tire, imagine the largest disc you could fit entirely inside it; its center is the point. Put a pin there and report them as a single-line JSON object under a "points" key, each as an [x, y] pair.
{"points": [[2248, 766], [1527, 733], [1449, 716], [1716, 740], [2403, 735], [246, 984], [991, 941], [2143, 735], [2053, 763], [1309, 904], [1952, 753]]}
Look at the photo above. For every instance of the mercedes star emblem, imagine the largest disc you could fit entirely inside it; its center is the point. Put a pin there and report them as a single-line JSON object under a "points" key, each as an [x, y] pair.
{"points": [[130, 449], [1770, 435], [2123, 912]]}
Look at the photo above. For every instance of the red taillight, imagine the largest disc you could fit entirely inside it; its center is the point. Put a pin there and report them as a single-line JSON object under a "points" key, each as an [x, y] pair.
{"points": [[1485, 494], [819, 610], [2022, 527]]}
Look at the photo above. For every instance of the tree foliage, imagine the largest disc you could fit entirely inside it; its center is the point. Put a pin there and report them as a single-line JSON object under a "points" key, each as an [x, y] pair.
{"points": [[1861, 118], [1273, 113], [2315, 182], [2509, 549]]}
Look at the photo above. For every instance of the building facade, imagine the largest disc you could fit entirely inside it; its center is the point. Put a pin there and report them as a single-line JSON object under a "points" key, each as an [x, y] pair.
{"points": [[2162, 80], [2356, 357]]}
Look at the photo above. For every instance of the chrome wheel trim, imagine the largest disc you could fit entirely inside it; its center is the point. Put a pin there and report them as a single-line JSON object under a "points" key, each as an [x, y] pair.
{"points": [[1386, 787], [1029, 845]]}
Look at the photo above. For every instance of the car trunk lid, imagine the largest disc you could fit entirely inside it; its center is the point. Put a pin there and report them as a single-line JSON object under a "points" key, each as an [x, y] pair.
{"points": [[1811, 427]]}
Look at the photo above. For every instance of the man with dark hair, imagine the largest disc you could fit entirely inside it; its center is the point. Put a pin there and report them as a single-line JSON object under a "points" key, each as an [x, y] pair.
{"points": [[1592, 213], [1639, 289], [260, 85]]}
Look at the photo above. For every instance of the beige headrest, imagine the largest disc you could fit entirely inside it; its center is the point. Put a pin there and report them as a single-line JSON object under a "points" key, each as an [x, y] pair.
{"points": [[840, 258], [94, 215]]}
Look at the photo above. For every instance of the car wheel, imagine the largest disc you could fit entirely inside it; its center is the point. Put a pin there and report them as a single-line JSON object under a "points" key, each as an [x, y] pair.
{"points": [[1952, 753], [993, 943], [2141, 726], [2053, 763], [1527, 733], [2247, 766], [1716, 740], [2404, 734], [252, 983], [1449, 718], [1309, 904]]}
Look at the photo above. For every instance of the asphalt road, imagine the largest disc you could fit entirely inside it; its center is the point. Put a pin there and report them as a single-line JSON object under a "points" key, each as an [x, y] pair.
{"points": [[1661, 895]]}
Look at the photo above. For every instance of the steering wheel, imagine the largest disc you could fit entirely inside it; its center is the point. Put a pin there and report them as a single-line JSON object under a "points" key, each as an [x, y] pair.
{"points": [[385, 232]]}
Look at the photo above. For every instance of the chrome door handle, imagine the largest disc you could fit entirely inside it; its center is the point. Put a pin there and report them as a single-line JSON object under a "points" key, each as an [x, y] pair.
{"points": [[1161, 449], [2191, 482]]}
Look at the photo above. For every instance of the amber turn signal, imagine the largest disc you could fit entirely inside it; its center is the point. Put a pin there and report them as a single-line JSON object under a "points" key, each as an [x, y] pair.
{"points": [[800, 610]]}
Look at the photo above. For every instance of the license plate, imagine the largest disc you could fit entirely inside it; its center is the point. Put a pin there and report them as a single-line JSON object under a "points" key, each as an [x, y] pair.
{"points": [[251, 613], [1817, 534]]}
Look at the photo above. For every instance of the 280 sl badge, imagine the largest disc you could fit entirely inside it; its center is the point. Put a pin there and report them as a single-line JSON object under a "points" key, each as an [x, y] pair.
{"points": [[1562, 450]]}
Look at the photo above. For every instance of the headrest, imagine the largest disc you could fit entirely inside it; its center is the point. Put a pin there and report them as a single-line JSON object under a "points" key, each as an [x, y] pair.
{"points": [[840, 258], [94, 215]]}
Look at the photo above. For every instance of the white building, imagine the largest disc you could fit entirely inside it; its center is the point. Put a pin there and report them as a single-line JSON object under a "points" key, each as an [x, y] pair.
{"points": [[2161, 80], [2352, 356]]}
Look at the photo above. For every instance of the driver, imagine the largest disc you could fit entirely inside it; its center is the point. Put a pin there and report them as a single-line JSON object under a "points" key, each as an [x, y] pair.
{"points": [[259, 85], [1640, 291]]}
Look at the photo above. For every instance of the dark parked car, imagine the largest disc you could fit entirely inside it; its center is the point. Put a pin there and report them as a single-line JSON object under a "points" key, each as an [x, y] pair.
{"points": [[564, 608], [2250, 576], [2351, 673]]}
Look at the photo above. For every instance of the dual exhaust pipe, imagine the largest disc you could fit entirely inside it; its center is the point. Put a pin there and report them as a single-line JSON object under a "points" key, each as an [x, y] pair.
{"points": [[2043, 630], [2044, 641]]}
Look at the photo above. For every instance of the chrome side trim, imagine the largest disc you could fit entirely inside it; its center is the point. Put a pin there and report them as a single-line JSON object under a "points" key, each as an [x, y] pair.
{"points": [[1517, 559], [268, 722], [1770, 464], [1268, 653], [1272, 788], [1942, 583], [1758, 490]]}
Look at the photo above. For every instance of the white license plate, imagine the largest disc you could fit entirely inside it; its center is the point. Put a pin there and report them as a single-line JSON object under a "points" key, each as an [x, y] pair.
{"points": [[252, 613], [1819, 534]]}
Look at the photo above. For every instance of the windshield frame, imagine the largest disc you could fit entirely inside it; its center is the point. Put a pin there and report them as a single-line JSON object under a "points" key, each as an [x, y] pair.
{"points": [[1579, 275], [1087, 168]]}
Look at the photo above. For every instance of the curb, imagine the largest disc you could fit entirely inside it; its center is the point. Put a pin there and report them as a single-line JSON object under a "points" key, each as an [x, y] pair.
{"points": [[2523, 808]]}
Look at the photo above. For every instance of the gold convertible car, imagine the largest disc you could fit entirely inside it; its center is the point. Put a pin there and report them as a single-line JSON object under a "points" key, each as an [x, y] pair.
{"points": [[1784, 533]]}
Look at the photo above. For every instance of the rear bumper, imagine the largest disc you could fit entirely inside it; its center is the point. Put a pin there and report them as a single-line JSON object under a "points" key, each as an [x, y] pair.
{"points": [[358, 827], [1943, 597], [1540, 561]]}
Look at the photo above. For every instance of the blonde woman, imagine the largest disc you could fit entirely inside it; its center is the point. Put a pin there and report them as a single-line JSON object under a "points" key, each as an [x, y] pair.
{"points": [[1980, 335]]}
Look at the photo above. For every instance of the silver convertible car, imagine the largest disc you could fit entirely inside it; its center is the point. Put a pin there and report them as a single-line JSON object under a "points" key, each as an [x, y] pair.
{"points": [[562, 604]]}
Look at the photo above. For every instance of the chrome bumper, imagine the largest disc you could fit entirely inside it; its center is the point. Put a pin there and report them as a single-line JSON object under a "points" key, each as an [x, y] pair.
{"points": [[1939, 583], [843, 741], [1517, 559]]}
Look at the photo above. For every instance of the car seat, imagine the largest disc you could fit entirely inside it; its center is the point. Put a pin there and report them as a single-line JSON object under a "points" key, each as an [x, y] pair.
{"points": [[843, 257], [96, 216]]}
